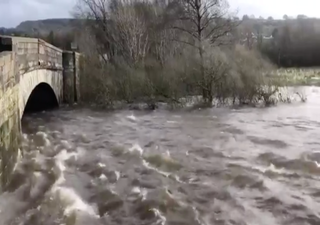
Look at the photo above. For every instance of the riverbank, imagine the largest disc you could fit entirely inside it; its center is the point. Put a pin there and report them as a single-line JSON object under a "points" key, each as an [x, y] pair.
{"points": [[285, 94]]}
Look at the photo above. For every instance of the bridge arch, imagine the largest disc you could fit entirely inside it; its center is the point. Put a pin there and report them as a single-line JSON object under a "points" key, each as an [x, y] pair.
{"points": [[42, 97], [39, 90]]}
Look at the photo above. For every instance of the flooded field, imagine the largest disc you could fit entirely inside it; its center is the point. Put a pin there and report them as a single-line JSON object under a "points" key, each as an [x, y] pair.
{"points": [[248, 166]]}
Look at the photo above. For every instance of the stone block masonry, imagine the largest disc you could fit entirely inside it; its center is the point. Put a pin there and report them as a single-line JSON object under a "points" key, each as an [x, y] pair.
{"points": [[71, 78]]}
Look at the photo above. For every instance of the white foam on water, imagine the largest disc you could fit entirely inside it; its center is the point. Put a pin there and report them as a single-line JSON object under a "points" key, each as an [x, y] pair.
{"points": [[101, 165], [74, 202], [114, 176], [18, 160], [132, 118], [137, 192], [44, 137], [84, 138], [61, 167], [177, 178], [274, 169], [24, 137], [38, 180], [161, 218], [103, 177], [136, 148], [148, 166], [192, 180], [67, 195], [42, 134], [47, 142], [197, 216], [56, 132], [117, 173]]}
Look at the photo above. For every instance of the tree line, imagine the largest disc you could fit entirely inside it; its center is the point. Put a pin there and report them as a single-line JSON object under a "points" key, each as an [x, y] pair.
{"points": [[293, 42]]}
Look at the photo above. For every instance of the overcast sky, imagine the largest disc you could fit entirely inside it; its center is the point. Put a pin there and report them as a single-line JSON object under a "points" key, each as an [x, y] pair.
{"points": [[12, 12], [277, 8]]}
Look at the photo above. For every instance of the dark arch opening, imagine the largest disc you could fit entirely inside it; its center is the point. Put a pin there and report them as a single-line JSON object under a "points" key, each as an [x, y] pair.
{"points": [[41, 98]]}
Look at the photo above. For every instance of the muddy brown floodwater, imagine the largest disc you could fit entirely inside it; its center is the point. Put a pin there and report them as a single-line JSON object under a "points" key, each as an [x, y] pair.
{"points": [[247, 166]]}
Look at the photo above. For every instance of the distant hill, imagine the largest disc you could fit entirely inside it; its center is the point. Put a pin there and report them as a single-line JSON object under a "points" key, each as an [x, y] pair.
{"points": [[63, 25], [42, 27], [7, 31], [45, 26]]}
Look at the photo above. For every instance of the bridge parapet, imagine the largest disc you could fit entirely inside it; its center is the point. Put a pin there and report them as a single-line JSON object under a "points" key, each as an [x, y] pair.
{"points": [[32, 53]]}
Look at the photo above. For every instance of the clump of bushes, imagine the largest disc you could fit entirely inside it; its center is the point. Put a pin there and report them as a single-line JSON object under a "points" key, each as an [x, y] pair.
{"points": [[234, 76]]}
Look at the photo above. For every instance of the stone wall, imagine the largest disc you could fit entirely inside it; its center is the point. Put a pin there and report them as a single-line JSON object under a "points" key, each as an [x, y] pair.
{"points": [[77, 75], [7, 82], [71, 78], [9, 147], [9, 116]]}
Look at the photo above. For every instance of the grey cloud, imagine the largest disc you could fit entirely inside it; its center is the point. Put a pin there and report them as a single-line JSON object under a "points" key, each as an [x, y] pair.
{"points": [[12, 12]]}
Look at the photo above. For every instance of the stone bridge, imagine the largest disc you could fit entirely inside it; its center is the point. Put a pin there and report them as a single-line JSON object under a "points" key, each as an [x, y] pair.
{"points": [[33, 75]]}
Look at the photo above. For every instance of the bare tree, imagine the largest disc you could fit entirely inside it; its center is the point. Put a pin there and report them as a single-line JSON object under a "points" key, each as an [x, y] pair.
{"points": [[118, 28], [204, 21]]}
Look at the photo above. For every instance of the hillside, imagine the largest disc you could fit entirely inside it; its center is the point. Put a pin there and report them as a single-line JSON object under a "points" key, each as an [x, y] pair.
{"points": [[42, 27], [45, 26]]}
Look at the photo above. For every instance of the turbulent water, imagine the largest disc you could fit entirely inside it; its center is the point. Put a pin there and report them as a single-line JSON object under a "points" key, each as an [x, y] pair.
{"points": [[248, 166]]}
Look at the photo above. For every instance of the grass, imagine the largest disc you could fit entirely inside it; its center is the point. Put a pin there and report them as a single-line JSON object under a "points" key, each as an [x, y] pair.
{"points": [[299, 76]]}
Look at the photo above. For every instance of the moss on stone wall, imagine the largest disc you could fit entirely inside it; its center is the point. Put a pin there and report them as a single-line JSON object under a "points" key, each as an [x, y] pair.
{"points": [[9, 147]]}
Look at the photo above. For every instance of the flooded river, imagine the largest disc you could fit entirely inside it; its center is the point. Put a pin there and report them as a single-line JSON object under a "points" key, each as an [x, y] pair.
{"points": [[245, 166]]}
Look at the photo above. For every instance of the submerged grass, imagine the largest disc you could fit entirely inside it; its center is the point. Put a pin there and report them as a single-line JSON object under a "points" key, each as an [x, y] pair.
{"points": [[298, 76]]}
